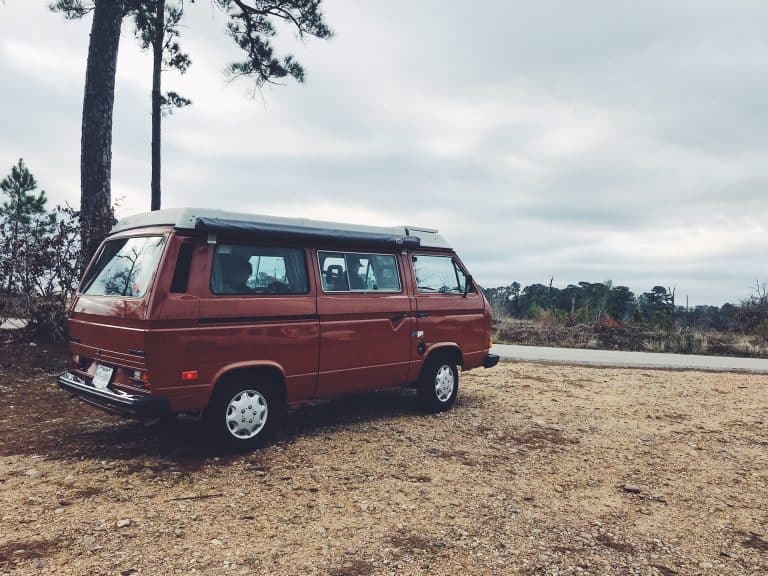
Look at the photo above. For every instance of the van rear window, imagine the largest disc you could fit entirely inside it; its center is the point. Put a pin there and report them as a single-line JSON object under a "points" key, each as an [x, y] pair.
{"points": [[125, 267], [245, 269]]}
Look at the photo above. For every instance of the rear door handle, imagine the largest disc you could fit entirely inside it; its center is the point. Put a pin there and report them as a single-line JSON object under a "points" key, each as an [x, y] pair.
{"points": [[421, 315]]}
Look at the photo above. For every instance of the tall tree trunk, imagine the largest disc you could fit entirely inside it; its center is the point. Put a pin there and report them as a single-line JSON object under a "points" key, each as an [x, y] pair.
{"points": [[96, 140], [157, 70]]}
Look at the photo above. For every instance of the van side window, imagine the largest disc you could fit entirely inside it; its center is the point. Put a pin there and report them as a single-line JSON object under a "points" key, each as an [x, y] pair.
{"points": [[358, 272], [181, 272], [462, 278], [245, 269], [333, 270], [381, 273], [438, 274]]}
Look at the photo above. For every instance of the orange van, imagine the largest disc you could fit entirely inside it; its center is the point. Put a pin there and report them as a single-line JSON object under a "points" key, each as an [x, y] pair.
{"points": [[238, 316]]}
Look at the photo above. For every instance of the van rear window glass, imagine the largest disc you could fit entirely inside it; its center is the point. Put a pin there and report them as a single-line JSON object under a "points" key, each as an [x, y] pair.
{"points": [[125, 267], [358, 272], [244, 269]]}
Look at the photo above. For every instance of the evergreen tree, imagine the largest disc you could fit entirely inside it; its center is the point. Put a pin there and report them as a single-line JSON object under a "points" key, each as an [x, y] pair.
{"points": [[251, 25], [515, 298], [658, 307], [157, 25], [20, 213], [98, 104], [21, 205]]}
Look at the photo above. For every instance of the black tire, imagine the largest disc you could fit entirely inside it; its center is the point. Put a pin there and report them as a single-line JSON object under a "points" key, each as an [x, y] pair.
{"points": [[433, 395], [239, 433]]}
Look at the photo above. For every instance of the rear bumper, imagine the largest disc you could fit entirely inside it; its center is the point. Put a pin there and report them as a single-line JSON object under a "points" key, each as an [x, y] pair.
{"points": [[491, 360], [114, 400]]}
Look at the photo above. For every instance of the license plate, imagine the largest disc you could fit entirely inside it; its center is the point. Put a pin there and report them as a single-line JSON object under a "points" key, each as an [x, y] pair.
{"points": [[102, 377]]}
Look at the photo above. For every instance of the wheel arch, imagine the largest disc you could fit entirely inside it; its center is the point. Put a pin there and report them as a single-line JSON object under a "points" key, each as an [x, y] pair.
{"points": [[442, 348], [264, 372]]}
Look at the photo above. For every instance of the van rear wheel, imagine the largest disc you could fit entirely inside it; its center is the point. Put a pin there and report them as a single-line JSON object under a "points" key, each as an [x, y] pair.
{"points": [[241, 416], [439, 385]]}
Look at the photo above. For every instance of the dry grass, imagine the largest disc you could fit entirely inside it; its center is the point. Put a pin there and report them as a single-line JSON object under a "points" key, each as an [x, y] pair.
{"points": [[549, 332]]}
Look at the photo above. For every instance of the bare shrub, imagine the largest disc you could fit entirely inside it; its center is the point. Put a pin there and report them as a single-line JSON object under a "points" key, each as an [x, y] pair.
{"points": [[752, 315], [547, 317], [54, 273], [44, 274]]}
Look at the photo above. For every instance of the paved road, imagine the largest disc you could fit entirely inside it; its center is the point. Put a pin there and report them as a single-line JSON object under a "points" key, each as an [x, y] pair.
{"points": [[630, 359]]}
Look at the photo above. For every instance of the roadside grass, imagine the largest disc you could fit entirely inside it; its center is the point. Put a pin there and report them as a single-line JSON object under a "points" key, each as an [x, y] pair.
{"points": [[628, 337]]}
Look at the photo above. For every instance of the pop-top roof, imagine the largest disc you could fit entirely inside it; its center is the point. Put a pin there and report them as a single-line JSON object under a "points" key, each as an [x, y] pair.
{"points": [[215, 221]]}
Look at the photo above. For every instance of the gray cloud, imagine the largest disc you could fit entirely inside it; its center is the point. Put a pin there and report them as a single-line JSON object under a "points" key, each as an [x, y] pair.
{"points": [[584, 141]]}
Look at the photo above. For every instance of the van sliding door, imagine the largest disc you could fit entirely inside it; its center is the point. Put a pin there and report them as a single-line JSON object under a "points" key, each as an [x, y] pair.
{"points": [[365, 322]]}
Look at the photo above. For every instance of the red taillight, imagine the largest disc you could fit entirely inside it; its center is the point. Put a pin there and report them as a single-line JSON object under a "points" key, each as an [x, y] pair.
{"points": [[189, 376]]}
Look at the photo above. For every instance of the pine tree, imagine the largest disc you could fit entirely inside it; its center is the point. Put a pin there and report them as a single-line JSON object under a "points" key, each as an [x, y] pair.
{"points": [[251, 24], [157, 26], [98, 106], [19, 214]]}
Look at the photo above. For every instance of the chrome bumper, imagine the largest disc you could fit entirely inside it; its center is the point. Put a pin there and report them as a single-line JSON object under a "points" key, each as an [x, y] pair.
{"points": [[114, 400]]}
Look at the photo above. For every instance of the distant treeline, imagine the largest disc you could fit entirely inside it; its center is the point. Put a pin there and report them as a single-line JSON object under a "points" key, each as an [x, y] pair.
{"points": [[588, 302]]}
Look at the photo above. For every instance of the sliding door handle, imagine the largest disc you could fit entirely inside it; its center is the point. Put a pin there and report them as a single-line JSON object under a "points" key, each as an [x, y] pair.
{"points": [[421, 315], [398, 317]]}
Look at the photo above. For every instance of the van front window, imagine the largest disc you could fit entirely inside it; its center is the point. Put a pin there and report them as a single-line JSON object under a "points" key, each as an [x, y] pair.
{"points": [[125, 267]]}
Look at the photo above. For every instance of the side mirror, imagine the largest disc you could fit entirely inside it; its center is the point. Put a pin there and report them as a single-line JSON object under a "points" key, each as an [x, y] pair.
{"points": [[467, 284]]}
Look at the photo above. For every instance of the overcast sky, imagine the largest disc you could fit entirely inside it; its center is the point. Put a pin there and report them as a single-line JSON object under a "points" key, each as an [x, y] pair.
{"points": [[582, 140]]}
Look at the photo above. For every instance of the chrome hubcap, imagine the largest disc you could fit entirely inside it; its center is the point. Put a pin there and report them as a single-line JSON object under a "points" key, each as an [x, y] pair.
{"points": [[246, 414], [444, 383]]}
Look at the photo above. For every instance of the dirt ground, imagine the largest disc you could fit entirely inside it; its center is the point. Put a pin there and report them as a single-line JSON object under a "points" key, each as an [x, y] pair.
{"points": [[537, 470]]}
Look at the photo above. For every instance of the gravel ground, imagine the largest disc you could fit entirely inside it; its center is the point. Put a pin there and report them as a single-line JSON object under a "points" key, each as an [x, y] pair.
{"points": [[537, 470]]}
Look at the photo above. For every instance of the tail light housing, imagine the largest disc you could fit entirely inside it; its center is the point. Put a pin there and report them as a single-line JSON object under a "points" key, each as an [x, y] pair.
{"points": [[140, 379], [80, 363]]}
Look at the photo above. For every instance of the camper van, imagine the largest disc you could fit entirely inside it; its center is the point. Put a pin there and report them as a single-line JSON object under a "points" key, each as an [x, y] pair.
{"points": [[236, 317]]}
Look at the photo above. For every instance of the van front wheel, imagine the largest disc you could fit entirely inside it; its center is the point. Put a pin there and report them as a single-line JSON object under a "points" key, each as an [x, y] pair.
{"points": [[240, 416], [438, 386]]}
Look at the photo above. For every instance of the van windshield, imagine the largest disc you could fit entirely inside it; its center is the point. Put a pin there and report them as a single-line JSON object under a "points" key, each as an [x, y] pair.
{"points": [[125, 267]]}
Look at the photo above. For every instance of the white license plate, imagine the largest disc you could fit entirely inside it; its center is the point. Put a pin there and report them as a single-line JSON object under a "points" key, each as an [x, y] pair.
{"points": [[102, 377]]}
